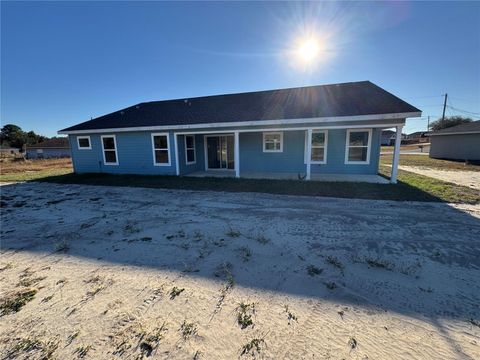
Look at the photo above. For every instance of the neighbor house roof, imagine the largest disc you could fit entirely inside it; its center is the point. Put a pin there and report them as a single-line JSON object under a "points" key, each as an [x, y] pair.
{"points": [[54, 143], [323, 101], [467, 128]]}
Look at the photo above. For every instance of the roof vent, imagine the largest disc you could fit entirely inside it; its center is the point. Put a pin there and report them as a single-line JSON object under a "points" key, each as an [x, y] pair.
{"points": [[137, 107], [121, 112]]}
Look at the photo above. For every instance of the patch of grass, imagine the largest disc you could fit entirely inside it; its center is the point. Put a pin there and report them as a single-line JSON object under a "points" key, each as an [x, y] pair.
{"points": [[244, 314], [379, 263], [335, 262], [245, 253], [291, 317], [252, 346], [82, 351], [45, 349], [31, 170], [14, 302], [72, 337], [352, 342], [427, 162], [331, 285], [232, 232], [47, 298], [188, 330], [410, 187], [312, 270], [416, 187], [262, 239], [175, 292], [131, 229], [6, 267], [61, 246], [29, 282]]}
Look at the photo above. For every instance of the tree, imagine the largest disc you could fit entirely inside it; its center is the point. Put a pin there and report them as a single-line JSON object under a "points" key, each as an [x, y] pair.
{"points": [[449, 122], [13, 135]]}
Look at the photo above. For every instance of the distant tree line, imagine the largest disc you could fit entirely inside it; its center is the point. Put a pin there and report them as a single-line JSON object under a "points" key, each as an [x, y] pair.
{"points": [[13, 136], [449, 122]]}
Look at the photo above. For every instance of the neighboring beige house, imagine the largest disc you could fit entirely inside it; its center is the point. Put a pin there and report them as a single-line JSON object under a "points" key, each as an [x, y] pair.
{"points": [[461, 142]]}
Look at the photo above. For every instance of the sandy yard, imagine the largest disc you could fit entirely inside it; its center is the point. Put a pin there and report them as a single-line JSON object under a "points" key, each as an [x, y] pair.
{"points": [[465, 178], [110, 272]]}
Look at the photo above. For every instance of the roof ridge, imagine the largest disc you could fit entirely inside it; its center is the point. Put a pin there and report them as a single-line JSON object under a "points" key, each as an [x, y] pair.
{"points": [[257, 91]]}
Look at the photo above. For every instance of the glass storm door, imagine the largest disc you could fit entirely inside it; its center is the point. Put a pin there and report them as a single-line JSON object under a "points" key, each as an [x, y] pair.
{"points": [[220, 152]]}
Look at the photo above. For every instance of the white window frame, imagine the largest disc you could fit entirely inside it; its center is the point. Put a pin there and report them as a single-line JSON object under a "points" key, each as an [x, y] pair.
{"points": [[103, 149], [168, 149], [194, 151], [82, 147], [347, 147], [281, 141], [324, 147]]}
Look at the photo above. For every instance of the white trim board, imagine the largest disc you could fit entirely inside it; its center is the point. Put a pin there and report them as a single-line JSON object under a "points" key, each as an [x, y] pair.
{"points": [[265, 133], [89, 147], [194, 150], [252, 123], [103, 149], [380, 126], [347, 146], [324, 148], [167, 135]]}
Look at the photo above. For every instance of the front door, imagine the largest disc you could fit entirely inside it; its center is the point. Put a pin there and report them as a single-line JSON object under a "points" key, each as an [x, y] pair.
{"points": [[220, 152]]}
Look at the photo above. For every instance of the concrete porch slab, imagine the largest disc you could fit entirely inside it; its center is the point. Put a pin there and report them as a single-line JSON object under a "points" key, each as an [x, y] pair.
{"points": [[374, 179]]}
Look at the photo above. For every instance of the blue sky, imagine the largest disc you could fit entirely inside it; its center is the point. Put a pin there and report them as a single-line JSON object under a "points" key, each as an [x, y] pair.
{"points": [[65, 62]]}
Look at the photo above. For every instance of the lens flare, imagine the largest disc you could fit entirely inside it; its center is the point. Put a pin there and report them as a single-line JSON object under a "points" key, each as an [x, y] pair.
{"points": [[309, 50]]}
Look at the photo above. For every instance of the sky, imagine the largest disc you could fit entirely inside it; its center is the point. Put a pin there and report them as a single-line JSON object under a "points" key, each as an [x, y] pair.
{"points": [[65, 62]]}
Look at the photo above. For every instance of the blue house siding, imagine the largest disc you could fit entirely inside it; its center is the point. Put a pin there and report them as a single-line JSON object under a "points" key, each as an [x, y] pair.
{"points": [[292, 159], [199, 155], [134, 151], [135, 156]]}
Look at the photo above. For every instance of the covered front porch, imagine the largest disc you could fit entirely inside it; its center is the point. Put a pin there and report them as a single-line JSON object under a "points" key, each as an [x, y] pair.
{"points": [[242, 153]]}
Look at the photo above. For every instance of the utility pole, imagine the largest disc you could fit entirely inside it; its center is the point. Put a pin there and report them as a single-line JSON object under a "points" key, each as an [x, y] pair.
{"points": [[428, 124], [444, 106]]}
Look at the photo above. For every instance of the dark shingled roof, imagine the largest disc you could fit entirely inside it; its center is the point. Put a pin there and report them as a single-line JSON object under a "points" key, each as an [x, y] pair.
{"points": [[473, 127], [347, 99]]}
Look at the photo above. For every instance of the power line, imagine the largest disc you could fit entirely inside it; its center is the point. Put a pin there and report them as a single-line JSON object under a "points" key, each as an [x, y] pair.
{"points": [[464, 111]]}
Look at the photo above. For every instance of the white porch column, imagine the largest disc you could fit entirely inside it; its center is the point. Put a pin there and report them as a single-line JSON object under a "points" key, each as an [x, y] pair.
{"points": [[236, 154], [309, 153], [396, 154], [175, 141]]}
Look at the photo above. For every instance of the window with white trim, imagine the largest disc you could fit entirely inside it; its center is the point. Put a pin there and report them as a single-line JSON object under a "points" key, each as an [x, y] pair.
{"points": [[319, 147], [190, 149], [83, 142], [357, 149], [109, 148], [160, 147], [273, 142]]}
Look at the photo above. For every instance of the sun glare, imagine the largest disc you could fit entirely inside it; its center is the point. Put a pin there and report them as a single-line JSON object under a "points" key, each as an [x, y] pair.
{"points": [[309, 50]]}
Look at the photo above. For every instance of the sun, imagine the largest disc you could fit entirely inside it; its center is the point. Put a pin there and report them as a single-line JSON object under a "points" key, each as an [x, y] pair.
{"points": [[308, 50]]}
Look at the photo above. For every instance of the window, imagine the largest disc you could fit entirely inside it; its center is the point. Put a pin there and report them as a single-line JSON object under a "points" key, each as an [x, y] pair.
{"points": [[109, 146], [160, 147], [319, 146], [273, 142], [84, 142], [357, 150], [190, 149]]}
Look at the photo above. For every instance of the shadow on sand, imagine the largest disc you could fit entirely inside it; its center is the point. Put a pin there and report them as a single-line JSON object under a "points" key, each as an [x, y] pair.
{"points": [[379, 254]]}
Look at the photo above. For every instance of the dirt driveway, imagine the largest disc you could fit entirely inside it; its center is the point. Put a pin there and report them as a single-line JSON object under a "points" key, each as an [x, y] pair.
{"points": [[465, 178], [110, 272]]}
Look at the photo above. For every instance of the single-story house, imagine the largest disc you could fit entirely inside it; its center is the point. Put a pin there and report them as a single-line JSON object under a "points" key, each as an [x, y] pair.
{"points": [[51, 148], [303, 132], [461, 142]]}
